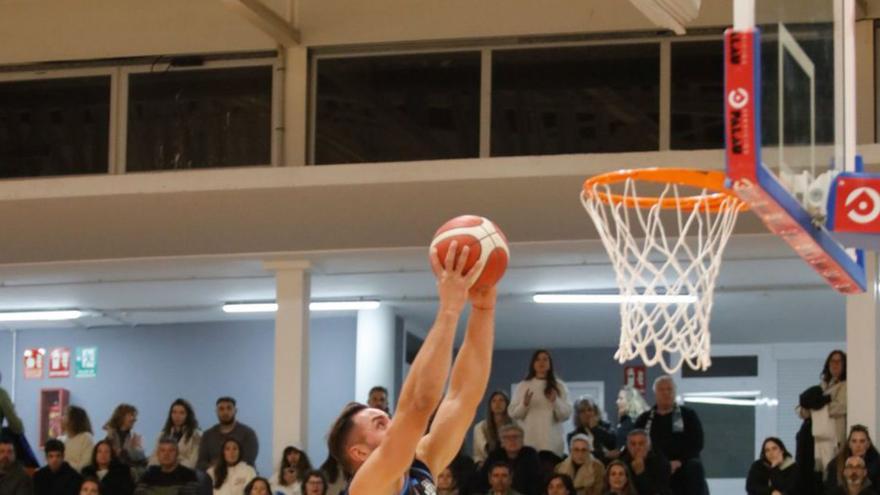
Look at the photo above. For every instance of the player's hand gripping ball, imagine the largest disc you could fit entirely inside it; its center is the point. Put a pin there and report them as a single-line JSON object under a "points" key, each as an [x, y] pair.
{"points": [[486, 242]]}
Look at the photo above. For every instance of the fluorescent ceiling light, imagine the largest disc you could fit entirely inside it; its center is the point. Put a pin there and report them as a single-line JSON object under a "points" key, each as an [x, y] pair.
{"points": [[315, 306], [612, 299], [71, 314], [250, 308], [733, 393], [723, 401]]}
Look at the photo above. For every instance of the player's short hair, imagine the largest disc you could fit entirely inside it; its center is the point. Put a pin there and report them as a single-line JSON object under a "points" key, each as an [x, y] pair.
{"points": [[340, 434]]}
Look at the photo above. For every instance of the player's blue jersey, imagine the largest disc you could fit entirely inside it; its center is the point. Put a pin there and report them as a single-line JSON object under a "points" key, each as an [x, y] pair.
{"points": [[418, 481]]}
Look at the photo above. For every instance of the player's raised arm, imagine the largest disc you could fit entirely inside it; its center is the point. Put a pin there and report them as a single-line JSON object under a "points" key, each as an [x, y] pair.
{"points": [[382, 471], [467, 385]]}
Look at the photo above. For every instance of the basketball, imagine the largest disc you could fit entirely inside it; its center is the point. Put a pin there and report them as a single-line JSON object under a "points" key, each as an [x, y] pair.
{"points": [[486, 241]]}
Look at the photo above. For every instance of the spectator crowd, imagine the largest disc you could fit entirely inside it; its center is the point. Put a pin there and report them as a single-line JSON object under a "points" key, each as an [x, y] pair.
{"points": [[520, 448]]}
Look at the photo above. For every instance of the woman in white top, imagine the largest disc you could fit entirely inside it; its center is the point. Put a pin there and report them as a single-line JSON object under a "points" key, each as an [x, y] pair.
{"points": [[77, 438], [183, 426], [540, 404], [486, 437], [230, 474], [294, 466]]}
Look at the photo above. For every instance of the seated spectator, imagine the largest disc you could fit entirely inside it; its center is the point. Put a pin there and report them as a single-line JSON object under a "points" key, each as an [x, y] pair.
{"points": [[676, 432], [181, 425], [858, 444], [231, 472], [334, 476], [540, 403], [774, 472], [127, 445], [650, 471], [585, 471], [258, 486], [228, 427], [559, 484], [56, 477], [114, 477], [294, 466], [464, 470], [169, 477], [90, 486], [77, 438], [523, 462], [587, 421], [486, 437], [314, 483], [13, 479], [618, 480], [630, 405], [855, 479], [377, 398], [500, 479], [446, 482]]}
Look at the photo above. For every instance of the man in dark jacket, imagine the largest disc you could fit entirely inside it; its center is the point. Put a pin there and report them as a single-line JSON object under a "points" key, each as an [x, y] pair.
{"points": [[56, 477], [676, 432], [169, 477], [856, 480], [650, 470], [523, 461], [13, 479]]}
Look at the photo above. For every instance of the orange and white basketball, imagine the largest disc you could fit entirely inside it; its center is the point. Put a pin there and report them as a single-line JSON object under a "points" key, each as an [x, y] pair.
{"points": [[487, 244]]}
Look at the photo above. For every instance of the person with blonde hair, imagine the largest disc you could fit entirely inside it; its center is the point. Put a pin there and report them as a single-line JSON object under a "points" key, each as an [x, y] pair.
{"points": [[630, 405]]}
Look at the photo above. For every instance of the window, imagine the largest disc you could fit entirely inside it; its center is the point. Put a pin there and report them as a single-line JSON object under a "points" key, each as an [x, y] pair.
{"points": [[54, 126], [697, 95], [588, 99], [188, 119], [397, 108], [817, 41]]}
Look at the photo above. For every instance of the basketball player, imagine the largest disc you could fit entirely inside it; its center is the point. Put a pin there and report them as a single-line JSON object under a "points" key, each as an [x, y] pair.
{"points": [[386, 457]]}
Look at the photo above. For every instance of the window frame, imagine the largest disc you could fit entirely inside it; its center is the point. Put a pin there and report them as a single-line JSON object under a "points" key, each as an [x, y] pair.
{"points": [[277, 102], [487, 48], [74, 73]]}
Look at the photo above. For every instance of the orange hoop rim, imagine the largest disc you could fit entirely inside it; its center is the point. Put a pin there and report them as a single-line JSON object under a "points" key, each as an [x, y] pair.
{"points": [[704, 179]]}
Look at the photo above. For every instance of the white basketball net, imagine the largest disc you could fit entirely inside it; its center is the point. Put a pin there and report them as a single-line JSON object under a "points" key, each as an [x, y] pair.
{"points": [[663, 252]]}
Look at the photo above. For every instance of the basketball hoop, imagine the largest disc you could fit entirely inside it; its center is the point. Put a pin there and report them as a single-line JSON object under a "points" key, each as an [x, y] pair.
{"points": [[666, 251]]}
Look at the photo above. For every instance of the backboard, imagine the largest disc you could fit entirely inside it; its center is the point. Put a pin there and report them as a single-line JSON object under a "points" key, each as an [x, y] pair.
{"points": [[790, 122]]}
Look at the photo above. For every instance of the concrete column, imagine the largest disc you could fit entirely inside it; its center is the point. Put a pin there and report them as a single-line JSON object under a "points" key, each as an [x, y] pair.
{"points": [[375, 352], [291, 392], [863, 350]]}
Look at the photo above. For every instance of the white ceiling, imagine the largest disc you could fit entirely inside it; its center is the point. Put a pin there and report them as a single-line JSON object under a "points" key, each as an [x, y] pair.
{"points": [[765, 294]]}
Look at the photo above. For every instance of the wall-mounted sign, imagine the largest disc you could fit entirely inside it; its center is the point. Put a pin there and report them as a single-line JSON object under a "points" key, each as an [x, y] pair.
{"points": [[59, 362], [635, 376], [86, 362], [33, 363]]}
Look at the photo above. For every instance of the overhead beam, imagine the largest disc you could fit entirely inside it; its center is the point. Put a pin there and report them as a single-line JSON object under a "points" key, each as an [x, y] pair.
{"points": [[264, 18]]}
